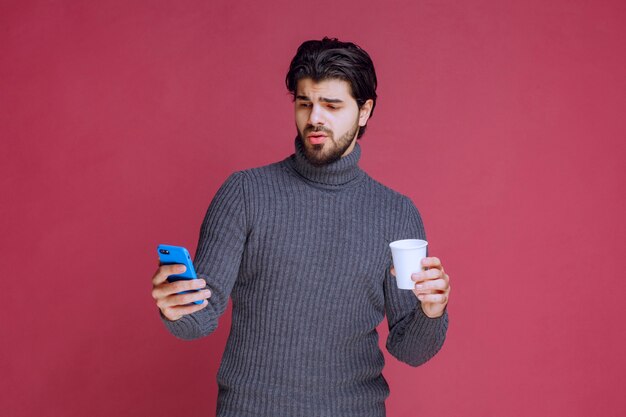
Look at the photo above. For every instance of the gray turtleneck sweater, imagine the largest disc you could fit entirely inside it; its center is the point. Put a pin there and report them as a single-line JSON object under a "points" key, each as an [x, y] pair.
{"points": [[303, 252]]}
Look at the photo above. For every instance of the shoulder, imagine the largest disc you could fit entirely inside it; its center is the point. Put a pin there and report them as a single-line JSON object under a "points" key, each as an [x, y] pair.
{"points": [[395, 203], [256, 181], [269, 171], [387, 194]]}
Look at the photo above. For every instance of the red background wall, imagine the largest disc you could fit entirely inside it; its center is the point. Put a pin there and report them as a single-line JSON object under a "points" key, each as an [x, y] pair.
{"points": [[502, 120]]}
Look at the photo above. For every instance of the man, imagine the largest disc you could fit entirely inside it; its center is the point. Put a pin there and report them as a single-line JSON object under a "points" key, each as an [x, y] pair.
{"points": [[302, 248]]}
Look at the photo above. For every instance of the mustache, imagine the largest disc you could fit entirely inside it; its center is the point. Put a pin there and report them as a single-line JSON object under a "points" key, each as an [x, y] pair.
{"points": [[315, 129]]}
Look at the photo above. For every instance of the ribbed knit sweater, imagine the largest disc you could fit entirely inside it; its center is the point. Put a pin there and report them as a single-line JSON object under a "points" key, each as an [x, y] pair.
{"points": [[303, 252]]}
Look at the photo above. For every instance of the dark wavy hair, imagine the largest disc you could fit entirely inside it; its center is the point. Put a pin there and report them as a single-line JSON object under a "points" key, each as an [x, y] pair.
{"points": [[330, 58]]}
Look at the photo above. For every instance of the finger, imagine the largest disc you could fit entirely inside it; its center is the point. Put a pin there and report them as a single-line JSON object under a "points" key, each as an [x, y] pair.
{"points": [[428, 275], [184, 285], [168, 288], [431, 262], [432, 286], [183, 299], [174, 313], [393, 271], [433, 298], [165, 271]]}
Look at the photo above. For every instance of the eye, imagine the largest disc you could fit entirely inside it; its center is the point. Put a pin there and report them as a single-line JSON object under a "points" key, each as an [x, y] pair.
{"points": [[305, 105], [330, 106]]}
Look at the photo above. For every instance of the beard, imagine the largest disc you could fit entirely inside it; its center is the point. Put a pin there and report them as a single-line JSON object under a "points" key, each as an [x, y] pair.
{"points": [[331, 150]]}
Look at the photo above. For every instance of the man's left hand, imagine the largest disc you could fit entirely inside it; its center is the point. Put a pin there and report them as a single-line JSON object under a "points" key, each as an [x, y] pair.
{"points": [[432, 287]]}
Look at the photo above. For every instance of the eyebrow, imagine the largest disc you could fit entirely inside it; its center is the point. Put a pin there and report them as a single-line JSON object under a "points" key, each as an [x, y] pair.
{"points": [[324, 99]]}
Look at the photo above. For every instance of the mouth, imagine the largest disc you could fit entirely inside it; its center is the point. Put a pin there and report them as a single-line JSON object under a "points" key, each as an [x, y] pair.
{"points": [[316, 138]]}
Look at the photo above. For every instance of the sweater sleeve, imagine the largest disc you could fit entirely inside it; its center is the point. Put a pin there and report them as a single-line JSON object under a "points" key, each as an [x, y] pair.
{"points": [[218, 256], [414, 338]]}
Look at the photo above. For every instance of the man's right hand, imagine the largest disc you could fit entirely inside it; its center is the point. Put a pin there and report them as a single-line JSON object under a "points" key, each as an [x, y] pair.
{"points": [[172, 305]]}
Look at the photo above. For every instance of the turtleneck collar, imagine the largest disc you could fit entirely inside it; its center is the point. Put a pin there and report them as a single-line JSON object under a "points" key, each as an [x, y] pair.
{"points": [[334, 175]]}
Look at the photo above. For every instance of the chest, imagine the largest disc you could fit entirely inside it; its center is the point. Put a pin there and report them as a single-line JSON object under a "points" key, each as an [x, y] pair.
{"points": [[320, 244]]}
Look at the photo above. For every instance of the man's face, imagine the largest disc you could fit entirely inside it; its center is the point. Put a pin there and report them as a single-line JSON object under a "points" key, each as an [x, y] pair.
{"points": [[328, 119]]}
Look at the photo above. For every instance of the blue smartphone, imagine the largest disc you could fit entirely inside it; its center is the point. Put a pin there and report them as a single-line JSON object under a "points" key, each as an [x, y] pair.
{"points": [[169, 255]]}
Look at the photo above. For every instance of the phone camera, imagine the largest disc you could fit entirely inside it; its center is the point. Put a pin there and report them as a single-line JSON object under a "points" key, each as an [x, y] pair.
{"points": [[164, 251]]}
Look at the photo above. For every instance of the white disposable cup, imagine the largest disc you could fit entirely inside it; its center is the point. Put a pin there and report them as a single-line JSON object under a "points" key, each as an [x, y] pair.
{"points": [[407, 257]]}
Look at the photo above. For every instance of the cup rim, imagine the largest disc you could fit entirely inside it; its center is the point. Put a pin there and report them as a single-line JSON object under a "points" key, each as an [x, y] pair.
{"points": [[408, 244]]}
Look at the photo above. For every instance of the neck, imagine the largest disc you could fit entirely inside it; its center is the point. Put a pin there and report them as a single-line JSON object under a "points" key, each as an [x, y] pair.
{"points": [[337, 174]]}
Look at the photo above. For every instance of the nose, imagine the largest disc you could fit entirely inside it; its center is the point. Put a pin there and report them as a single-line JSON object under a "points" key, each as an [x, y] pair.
{"points": [[316, 116]]}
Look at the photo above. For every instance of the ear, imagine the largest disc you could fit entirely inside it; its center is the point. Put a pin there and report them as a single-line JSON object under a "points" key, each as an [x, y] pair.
{"points": [[365, 111]]}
